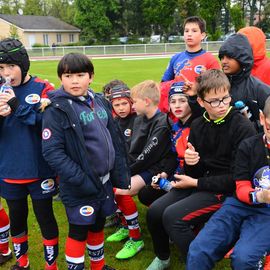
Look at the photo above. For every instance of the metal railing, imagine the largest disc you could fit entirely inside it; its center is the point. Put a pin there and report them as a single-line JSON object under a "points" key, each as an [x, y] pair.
{"points": [[127, 49]]}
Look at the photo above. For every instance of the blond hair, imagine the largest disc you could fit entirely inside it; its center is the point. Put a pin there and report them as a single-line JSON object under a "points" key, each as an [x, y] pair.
{"points": [[146, 89]]}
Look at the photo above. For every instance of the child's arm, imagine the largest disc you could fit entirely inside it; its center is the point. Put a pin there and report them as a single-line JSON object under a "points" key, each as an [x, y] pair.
{"points": [[157, 144], [28, 114], [54, 150]]}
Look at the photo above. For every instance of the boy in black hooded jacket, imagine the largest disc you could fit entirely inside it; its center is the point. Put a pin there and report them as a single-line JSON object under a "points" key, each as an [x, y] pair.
{"points": [[237, 60]]}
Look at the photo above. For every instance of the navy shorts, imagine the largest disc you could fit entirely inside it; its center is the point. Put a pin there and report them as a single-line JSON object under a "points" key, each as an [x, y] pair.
{"points": [[147, 177], [86, 214], [38, 190]]}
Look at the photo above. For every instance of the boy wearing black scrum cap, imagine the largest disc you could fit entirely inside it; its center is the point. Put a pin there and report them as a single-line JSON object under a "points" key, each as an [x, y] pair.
{"points": [[23, 170]]}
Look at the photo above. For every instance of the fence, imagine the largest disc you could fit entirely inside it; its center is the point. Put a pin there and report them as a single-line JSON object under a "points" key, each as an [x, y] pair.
{"points": [[127, 49]]}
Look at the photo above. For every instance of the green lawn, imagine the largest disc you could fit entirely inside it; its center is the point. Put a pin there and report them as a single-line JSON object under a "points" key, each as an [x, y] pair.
{"points": [[132, 72]]}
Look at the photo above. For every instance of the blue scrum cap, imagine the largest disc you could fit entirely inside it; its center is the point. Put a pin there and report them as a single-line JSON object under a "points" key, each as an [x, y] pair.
{"points": [[176, 89]]}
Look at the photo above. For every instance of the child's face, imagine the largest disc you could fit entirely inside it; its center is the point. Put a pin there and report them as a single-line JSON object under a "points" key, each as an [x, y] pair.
{"points": [[139, 105], [193, 35], [11, 71], [76, 84], [229, 65], [121, 107], [179, 107], [265, 122], [216, 103]]}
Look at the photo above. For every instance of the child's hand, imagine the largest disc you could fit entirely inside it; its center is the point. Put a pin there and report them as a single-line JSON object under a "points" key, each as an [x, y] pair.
{"points": [[184, 181], [191, 156], [8, 95], [160, 175], [189, 87], [5, 109], [263, 196]]}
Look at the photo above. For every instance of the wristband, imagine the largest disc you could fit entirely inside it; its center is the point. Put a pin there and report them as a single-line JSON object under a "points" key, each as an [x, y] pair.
{"points": [[253, 197]]}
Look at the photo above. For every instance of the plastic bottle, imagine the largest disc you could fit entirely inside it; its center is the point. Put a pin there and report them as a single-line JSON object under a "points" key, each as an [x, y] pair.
{"points": [[244, 109], [6, 85], [163, 183]]}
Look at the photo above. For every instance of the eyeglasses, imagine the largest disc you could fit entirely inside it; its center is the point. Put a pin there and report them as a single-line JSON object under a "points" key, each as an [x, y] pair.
{"points": [[215, 103]]}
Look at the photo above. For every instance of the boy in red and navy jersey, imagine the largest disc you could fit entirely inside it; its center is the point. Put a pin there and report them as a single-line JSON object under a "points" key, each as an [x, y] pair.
{"points": [[244, 219], [23, 170], [186, 66]]}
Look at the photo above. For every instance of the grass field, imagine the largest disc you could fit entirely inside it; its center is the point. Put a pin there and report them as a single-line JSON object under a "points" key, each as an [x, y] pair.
{"points": [[132, 72]]}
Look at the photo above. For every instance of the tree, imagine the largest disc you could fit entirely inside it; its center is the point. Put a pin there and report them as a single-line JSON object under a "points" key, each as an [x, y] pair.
{"points": [[91, 17], [159, 13], [237, 17], [33, 7]]}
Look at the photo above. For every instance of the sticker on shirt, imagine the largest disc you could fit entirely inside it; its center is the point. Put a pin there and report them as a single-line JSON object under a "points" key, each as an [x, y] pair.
{"points": [[46, 134], [199, 69], [127, 132], [32, 99], [86, 210], [261, 178], [47, 185]]}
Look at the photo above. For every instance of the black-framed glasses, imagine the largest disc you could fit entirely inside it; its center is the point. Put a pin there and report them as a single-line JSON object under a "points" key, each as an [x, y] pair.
{"points": [[215, 103]]}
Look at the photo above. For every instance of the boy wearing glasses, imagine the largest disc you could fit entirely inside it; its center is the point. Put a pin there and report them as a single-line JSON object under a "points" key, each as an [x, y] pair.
{"points": [[213, 140], [244, 219]]}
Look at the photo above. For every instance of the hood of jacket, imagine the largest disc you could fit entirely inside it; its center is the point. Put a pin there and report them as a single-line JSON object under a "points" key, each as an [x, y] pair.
{"points": [[53, 95], [257, 40], [238, 48]]}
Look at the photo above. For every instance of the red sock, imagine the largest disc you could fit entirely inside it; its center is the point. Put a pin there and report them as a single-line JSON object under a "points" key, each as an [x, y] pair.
{"points": [[20, 245], [75, 253], [50, 253], [128, 207], [95, 247], [4, 231]]}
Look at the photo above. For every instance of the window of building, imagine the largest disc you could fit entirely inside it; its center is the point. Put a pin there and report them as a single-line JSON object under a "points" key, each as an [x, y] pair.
{"points": [[58, 38], [45, 39], [71, 37]]}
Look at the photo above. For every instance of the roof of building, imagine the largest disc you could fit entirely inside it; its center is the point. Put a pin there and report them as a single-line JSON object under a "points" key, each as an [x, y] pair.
{"points": [[39, 23]]}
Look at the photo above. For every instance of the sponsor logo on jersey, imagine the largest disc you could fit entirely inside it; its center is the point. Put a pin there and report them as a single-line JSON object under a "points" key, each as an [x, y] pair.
{"points": [[47, 184], [46, 134], [127, 132], [32, 99], [86, 210], [199, 69]]}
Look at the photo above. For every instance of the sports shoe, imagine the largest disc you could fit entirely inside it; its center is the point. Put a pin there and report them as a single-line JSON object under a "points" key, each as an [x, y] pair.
{"points": [[130, 249], [107, 267], [119, 235], [158, 264], [267, 262], [17, 267], [5, 258]]}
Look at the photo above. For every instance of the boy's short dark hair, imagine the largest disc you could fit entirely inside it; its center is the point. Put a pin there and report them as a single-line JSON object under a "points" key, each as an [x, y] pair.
{"points": [[195, 19], [212, 79], [75, 63]]}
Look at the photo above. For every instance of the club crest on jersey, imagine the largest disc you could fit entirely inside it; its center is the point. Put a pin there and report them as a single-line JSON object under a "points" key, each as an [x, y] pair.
{"points": [[261, 178], [86, 210], [46, 134], [47, 184], [127, 132], [32, 99], [199, 69]]}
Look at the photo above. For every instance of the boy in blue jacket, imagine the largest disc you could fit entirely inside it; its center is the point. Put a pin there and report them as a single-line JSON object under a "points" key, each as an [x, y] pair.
{"points": [[23, 169], [84, 146]]}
